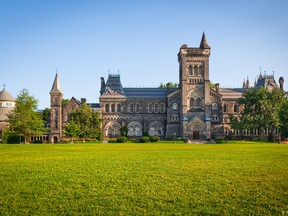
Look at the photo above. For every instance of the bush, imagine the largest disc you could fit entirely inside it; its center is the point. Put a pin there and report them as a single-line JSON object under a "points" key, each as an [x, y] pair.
{"points": [[144, 139], [122, 139], [154, 138], [37, 141]]}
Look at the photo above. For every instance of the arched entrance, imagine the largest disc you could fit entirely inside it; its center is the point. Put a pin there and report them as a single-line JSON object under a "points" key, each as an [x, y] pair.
{"points": [[195, 129], [55, 139]]}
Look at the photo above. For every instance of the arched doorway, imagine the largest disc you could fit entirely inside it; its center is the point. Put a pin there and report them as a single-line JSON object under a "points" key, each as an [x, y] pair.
{"points": [[55, 139]]}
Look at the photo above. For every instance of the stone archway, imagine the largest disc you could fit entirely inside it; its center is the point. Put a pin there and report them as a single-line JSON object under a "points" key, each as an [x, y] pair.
{"points": [[196, 128]]}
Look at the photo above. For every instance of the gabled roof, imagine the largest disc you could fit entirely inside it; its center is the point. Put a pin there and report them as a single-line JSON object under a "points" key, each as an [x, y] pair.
{"points": [[6, 96], [56, 89], [231, 93]]}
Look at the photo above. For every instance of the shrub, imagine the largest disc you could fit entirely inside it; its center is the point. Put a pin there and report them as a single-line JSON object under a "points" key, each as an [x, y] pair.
{"points": [[122, 139], [144, 139], [154, 138], [37, 141]]}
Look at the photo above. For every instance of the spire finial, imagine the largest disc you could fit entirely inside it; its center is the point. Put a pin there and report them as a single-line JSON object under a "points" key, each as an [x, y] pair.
{"points": [[4, 87]]}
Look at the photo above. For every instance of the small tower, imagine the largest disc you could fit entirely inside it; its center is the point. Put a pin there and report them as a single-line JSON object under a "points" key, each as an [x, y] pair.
{"points": [[281, 82], [55, 112]]}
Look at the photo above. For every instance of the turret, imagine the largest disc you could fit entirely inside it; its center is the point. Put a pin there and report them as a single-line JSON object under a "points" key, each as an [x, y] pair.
{"points": [[281, 82]]}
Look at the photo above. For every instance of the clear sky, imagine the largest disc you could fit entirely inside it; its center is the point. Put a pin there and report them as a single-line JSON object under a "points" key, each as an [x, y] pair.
{"points": [[84, 39]]}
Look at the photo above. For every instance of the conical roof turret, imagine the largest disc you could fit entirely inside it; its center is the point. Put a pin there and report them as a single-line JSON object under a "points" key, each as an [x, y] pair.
{"points": [[204, 44], [6, 96], [56, 89]]}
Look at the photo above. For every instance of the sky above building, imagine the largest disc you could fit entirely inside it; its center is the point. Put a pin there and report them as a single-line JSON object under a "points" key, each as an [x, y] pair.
{"points": [[85, 40]]}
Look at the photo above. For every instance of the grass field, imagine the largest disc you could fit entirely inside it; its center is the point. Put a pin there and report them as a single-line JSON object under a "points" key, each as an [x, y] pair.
{"points": [[144, 179]]}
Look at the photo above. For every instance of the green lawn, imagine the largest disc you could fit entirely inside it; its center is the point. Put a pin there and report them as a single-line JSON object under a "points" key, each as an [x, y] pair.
{"points": [[144, 179]]}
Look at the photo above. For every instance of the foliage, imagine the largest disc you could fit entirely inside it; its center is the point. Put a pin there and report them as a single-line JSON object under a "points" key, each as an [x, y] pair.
{"points": [[64, 102], [72, 129], [124, 130], [247, 178], [89, 122], [144, 139], [261, 109], [122, 139], [283, 115], [24, 120], [154, 138], [46, 116], [172, 85], [10, 137]]}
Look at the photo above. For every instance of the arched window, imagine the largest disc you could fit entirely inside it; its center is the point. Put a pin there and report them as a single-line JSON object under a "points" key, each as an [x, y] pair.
{"points": [[150, 108], [195, 70], [201, 70], [192, 102], [215, 118], [174, 106], [107, 107], [236, 108], [214, 106], [137, 108], [174, 118], [113, 108], [118, 108], [162, 107], [131, 107], [190, 70], [156, 108], [225, 108], [198, 102]]}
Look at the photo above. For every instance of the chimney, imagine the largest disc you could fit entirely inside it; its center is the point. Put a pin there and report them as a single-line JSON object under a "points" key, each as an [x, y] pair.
{"points": [[83, 100], [217, 87], [281, 82]]}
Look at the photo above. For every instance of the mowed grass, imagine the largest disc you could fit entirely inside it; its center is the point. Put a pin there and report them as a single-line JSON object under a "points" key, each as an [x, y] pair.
{"points": [[144, 179]]}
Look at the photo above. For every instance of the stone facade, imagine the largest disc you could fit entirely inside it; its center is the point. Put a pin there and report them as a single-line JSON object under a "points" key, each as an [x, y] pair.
{"points": [[194, 110]]}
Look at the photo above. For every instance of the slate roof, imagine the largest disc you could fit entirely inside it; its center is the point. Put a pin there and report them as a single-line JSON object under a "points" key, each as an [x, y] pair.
{"points": [[148, 92], [6, 96], [231, 93]]}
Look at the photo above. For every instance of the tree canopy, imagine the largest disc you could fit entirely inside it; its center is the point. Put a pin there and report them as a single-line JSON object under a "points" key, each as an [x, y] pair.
{"points": [[85, 123], [24, 120], [261, 109]]}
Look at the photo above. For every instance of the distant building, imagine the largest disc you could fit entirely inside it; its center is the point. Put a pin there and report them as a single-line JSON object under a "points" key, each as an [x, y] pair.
{"points": [[194, 110], [7, 104]]}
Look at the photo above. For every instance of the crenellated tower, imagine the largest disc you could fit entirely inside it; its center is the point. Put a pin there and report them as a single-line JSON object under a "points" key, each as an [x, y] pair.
{"points": [[195, 90], [55, 112]]}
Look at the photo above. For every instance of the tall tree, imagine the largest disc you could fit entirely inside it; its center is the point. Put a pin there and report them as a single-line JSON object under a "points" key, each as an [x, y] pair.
{"points": [[72, 129], [88, 121], [261, 109], [283, 115], [24, 120]]}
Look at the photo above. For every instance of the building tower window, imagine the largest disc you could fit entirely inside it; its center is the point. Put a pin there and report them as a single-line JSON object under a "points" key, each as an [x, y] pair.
{"points": [[198, 102], [107, 107], [118, 108], [192, 102], [225, 108], [113, 108], [236, 108], [190, 70]]}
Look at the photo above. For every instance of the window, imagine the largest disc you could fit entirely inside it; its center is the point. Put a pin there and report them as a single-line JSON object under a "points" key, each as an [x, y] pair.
{"points": [[156, 108], [8, 104], [225, 108], [215, 118], [174, 106], [198, 102], [107, 107], [113, 108], [131, 107], [137, 108], [192, 102], [118, 108], [195, 70], [174, 118], [214, 106], [201, 70], [236, 108], [150, 108], [162, 107], [190, 70]]}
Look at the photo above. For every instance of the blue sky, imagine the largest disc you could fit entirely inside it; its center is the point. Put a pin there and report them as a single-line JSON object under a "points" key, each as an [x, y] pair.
{"points": [[84, 39]]}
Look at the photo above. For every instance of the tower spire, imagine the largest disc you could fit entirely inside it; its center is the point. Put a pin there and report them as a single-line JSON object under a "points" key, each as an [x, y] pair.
{"points": [[204, 44], [56, 86]]}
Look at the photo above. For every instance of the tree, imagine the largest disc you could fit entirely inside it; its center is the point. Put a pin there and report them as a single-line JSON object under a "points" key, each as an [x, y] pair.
{"points": [[261, 109], [283, 115], [88, 121], [72, 129], [46, 116], [172, 85], [24, 120]]}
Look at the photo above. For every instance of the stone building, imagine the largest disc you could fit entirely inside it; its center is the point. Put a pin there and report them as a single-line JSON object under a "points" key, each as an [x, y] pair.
{"points": [[194, 110], [7, 104]]}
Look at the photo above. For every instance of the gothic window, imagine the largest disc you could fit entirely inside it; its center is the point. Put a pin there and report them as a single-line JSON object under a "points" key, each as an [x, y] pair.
{"points": [[174, 106], [55, 102], [137, 108], [134, 129], [198, 102], [155, 128], [150, 108], [131, 107], [201, 70], [156, 108], [162, 107], [107, 107], [195, 70], [214, 106], [190, 70], [192, 102], [236, 108], [113, 108], [118, 108], [215, 118], [225, 108]]}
